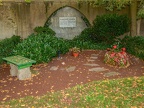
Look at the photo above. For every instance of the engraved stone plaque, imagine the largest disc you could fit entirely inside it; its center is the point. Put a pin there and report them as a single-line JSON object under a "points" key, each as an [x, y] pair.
{"points": [[67, 21]]}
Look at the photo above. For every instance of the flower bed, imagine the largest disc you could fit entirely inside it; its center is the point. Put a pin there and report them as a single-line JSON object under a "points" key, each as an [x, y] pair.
{"points": [[116, 57]]}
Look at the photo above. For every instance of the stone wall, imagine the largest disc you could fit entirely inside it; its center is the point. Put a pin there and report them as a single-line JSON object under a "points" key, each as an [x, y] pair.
{"points": [[8, 24], [20, 18]]}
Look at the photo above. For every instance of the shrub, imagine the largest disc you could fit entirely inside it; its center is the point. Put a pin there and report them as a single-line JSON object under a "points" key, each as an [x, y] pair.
{"points": [[41, 47], [7, 45], [86, 40], [109, 26], [88, 45], [134, 45], [45, 30], [86, 35]]}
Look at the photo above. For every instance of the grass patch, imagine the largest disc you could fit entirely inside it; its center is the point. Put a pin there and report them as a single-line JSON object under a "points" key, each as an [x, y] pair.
{"points": [[120, 93]]}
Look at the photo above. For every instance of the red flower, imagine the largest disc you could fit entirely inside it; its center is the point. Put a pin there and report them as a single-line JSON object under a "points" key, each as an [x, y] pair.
{"points": [[116, 59], [114, 46], [122, 52], [112, 54], [123, 49]]}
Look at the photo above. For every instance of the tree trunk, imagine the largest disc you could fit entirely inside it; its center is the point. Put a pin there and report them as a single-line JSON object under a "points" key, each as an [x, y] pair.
{"points": [[133, 12], [138, 27]]}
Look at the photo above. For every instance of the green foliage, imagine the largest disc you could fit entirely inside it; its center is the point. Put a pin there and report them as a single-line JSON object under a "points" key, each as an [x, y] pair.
{"points": [[28, 1], [89, 45], [45, 30], [110, 26], [86, 40], [86, 35], [110, 4], [134, 45], [7, 45], [140, 12], [41, 47]]}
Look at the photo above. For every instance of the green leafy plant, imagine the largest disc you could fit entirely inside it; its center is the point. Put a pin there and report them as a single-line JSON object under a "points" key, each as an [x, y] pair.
{"points": [[108, 27], [42, 47], [86, 35], [7, 45], [75, 49], [83, 41], [36, 48], [45, 30], [134, 45]]}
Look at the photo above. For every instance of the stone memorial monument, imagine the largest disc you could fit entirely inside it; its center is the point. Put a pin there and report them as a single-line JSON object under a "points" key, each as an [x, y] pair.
{"points": [[67, 22]]}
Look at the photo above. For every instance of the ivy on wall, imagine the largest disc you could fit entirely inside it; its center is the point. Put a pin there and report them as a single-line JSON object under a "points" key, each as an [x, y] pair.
{"points": [[116, 4], [140, 13], [1, 2], [27, 1]]}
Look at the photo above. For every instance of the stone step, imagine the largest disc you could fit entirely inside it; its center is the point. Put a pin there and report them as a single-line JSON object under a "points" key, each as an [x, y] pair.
{"points": [[71, 68], [93, 57], [98, 69], [111, 74], [89, 64], [54, 68]]}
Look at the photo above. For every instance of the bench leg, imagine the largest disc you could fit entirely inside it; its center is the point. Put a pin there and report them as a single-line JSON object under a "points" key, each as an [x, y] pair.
{"points": [[24, 73], [13, 70]]}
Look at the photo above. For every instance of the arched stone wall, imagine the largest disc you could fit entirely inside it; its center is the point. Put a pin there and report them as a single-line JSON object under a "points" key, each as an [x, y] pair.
{"points": [[89, 12], [20, 18]]}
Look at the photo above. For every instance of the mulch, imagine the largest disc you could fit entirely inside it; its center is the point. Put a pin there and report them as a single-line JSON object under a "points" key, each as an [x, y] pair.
{"points": [[49, 81]]}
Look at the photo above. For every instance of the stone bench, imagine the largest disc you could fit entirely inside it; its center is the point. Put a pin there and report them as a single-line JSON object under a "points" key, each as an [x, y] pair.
{"points": [[20, 66]]}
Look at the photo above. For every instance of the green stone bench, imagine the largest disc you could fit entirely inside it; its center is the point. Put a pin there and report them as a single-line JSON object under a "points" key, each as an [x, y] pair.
{"points": [[20, 66]]}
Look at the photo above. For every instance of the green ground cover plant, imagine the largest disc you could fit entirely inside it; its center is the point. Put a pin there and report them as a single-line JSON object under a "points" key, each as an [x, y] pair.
{"points": [[120, 93]]}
